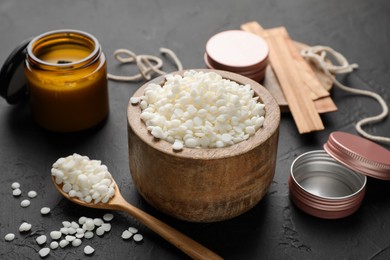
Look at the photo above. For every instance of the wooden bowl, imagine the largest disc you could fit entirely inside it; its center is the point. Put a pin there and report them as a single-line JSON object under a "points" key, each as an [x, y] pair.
{"points": [[204, 185]]}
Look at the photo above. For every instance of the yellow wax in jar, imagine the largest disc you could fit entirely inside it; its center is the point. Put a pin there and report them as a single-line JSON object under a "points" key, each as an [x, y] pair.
{"points": [[64, 53], [72, 95]]}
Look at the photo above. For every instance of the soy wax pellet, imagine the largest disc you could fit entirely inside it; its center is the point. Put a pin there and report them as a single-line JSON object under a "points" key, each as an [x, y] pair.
{"points": [[25, 203], [54, 245], [9, 237], [25, 227], [126, 234], [44, 252], [41, 239], [16, 192], [108, 217], [138, 237], [32, 194], [15, 185], [204, 109], [45, 210], [88, 250]]}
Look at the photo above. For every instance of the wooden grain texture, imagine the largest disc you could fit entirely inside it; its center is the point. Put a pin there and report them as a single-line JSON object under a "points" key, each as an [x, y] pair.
{"points": [[323, 105], [316, 81], [176, 238], [204, 185], [301, 105], [313, 84]]}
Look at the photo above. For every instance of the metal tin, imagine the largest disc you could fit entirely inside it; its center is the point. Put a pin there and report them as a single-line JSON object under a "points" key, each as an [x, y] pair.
{"points": [[322, 187], [331, 183]]}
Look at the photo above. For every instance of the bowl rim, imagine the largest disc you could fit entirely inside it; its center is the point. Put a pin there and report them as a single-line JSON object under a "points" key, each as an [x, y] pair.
{"points": [[269, 128]]}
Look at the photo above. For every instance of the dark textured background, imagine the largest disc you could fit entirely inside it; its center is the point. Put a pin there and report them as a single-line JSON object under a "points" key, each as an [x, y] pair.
{"points": [[274, 229]]}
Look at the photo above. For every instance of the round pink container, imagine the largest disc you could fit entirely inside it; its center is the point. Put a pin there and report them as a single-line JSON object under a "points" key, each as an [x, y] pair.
{"points": [[239, 52], [331, 183]]}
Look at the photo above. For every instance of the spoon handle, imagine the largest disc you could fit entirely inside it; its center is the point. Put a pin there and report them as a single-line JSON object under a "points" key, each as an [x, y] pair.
{"points": [[176, 238]]}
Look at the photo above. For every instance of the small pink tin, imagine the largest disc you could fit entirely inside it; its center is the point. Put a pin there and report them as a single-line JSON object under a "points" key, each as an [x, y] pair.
{"points": [[331, 183]]}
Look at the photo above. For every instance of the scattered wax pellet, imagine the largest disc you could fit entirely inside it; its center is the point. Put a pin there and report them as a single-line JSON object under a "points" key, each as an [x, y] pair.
{"points": [[25, 203], [70, 238], [126, 234], [16, 192], [106, 227], [9, 237], [32, 194], [88, 250], [45, 210], [54, 245], [24, 227], [15, 185], [138, 237], [133, 230], [41, 239], [100, 231], [76, 242], [98, 221], [108, 217], [82, 220], [55, 235], [43, 252], [88, 234], [64, 243]]}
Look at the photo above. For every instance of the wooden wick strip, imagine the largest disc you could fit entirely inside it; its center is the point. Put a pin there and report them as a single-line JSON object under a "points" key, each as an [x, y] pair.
{"points": [[300, 103]]}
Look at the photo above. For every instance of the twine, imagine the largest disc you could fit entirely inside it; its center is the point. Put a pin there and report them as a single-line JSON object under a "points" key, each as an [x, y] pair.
{"points": [[148, 65], [317, 54]]}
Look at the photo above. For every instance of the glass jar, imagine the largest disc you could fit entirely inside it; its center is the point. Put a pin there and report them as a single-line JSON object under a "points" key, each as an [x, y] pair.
{"points": [[66, 74]]}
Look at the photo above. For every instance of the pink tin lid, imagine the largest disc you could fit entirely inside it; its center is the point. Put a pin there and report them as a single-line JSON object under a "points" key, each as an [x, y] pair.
{"points": [[359, 154], [237, 50]]}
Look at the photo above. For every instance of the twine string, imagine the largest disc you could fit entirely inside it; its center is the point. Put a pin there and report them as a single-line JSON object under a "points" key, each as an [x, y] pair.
{"points": [[148, 65], [318, 55]]}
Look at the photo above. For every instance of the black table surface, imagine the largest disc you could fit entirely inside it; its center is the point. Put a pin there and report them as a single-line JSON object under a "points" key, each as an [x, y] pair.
{"points": [[273, 229]]}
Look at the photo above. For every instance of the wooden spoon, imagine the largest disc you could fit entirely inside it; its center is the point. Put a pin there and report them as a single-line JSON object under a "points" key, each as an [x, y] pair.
{"points": [[181, 241]]}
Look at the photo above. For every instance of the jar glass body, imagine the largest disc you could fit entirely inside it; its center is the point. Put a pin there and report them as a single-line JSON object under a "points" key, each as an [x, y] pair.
{"points": [[66, 75]]}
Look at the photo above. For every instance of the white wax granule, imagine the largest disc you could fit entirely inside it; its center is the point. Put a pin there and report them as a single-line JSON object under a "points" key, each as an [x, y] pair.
{"points": [[133, 230], [32, 194], [55, 235], [41, 239], [64, 243], [24, 227], [126, 234], [25, 203], [85, 179], [16, 192], [138, 237], [44, 251], [9, 237], [108, 217], [54, 245], [88, 235], [201, 110], [88, 250], [76, 242], [100, 231], [45, 210], [15, 185]]}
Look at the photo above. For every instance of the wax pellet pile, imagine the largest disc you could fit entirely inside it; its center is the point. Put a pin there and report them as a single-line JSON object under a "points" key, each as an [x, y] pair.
{"points": [[72, 233], [200, 109], [86, 179]]}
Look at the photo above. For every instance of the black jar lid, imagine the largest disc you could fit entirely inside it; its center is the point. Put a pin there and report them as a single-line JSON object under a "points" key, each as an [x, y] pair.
{"points": [[12, 80]]}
